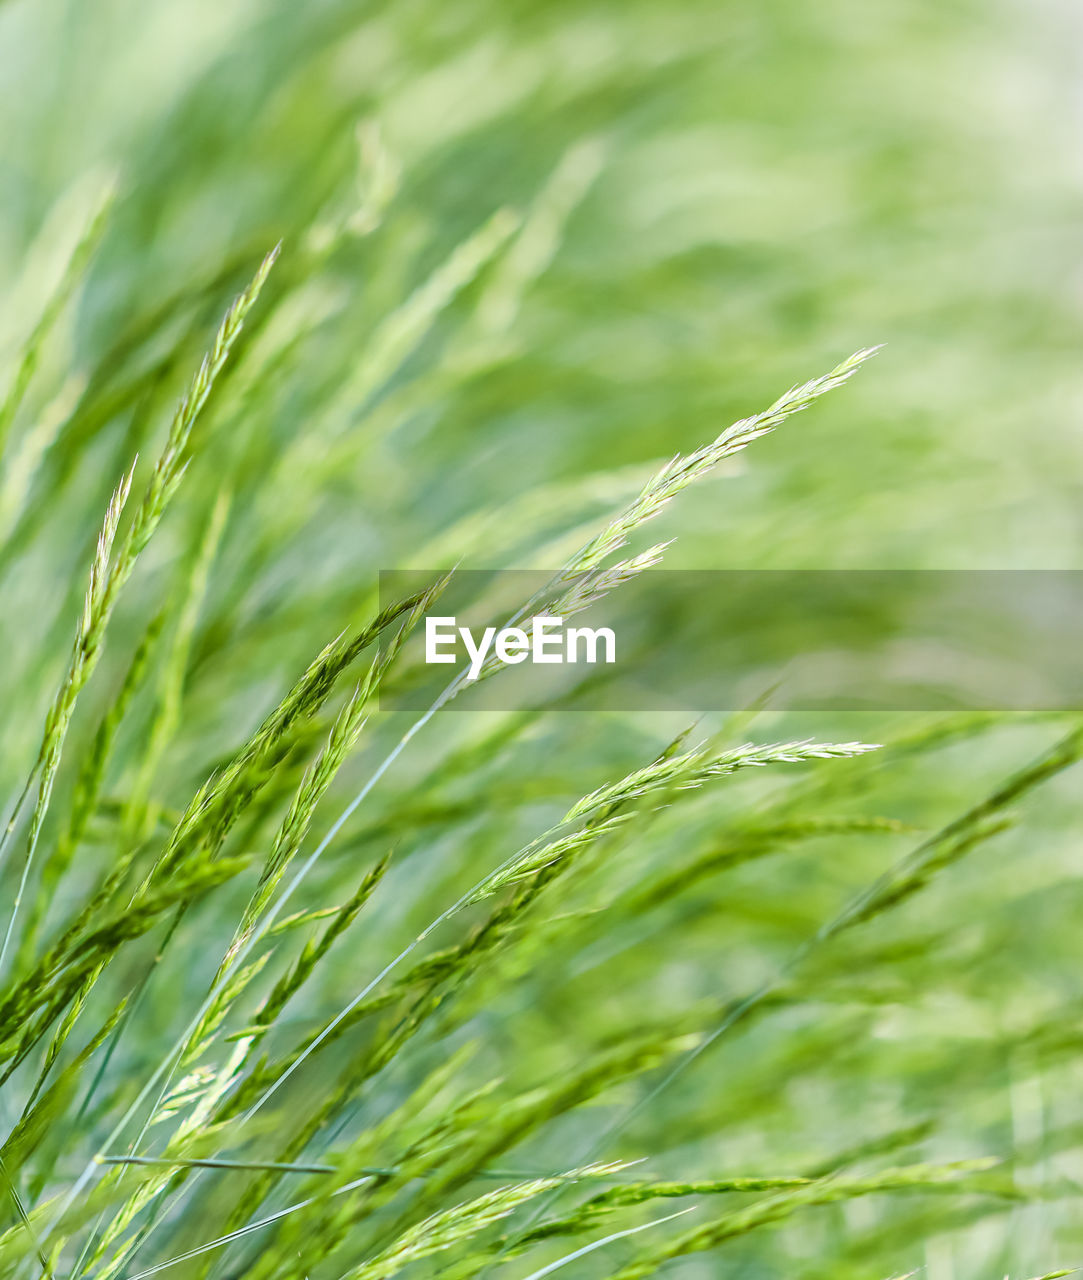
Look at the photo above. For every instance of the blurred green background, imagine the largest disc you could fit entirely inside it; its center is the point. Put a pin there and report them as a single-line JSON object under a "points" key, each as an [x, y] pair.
{"points": [[776, 185], [696, 205]]}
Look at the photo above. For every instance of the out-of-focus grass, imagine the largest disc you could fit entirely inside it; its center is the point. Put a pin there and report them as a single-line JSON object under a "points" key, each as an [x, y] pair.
{"points": [[528, 250]]}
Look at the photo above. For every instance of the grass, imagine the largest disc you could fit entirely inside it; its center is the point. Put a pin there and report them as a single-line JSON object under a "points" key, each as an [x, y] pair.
{"points": [[295, 985]]}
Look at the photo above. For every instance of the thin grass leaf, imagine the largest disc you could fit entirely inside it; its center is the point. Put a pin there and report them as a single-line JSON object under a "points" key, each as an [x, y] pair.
{"points": [[729, 1226], [70, 279], [108, 575], [693, 769], [451, 1227], [401, 332], [88, 641], [141, 815], [600, 1244], [685, 469], [22, 468], [20, 1209], [601, 1206]]}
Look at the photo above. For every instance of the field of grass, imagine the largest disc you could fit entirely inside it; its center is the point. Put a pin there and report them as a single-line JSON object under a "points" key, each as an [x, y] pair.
{"points": [[295, 986]]}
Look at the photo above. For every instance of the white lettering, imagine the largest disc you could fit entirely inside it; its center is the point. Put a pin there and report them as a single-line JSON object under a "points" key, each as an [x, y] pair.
{"points": [[546, 642], [512, 645], [434, 636], [544, 634], [591, 636], [477, 652]]}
